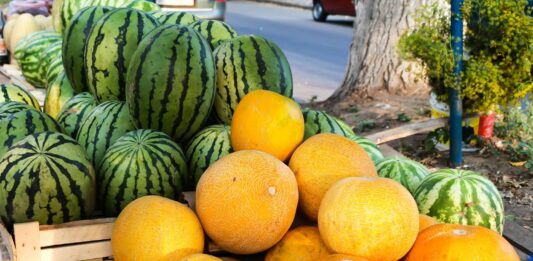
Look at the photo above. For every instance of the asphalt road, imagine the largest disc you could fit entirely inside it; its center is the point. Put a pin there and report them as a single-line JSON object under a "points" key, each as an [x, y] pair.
{"points": [[317, 52]]}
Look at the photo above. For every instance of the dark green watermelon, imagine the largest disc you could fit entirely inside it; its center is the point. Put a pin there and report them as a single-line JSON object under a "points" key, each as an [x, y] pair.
{"points": [[214, 32], [140, 163], [46, 177], [21, 124], [105, 124], [171, 82], [248, 63], [49, 54], [75, 111], [205, 148], [11, 107], [175, 18], [76, 36], [111, 44], [13, 92], [321, 122]]}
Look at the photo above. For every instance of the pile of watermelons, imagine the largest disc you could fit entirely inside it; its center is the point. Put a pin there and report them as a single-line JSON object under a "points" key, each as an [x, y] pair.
{"points": [[139, 102]]}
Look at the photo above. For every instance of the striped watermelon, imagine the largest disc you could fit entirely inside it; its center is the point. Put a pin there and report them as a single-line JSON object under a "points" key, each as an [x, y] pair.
{"points": [[63, 11], [75, 111], [407, 172], [145, 6], [369, 146], [20, 50], [175, 18], [215, 32], [24, 123], [50, 53], [248, 63], [140, 163], [206, 147], [320, 122], [57, 94], [46, 177], [11, 107], [54, 69], [111, 44], [13, 92], [30, 61], [176, 95], [76, 36], [461, 197], [103, 126]]}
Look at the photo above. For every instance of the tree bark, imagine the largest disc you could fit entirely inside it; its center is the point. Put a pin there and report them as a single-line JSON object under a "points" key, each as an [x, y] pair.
{"points": [[374, 64]]}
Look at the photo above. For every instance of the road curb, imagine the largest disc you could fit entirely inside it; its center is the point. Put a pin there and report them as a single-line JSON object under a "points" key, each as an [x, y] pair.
{"points": [[289, 3]]}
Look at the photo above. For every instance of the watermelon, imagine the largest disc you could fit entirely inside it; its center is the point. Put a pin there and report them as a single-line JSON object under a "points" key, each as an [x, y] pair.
{"points": [[24, 123], [110, 47], [407, 172], [30, 61], [11, 107], [103, 126], [63, 11], [171, 82], [206, 147], [369, 146], [140, 163], [248, 63], [76, 36], [320, 122], [215, 32], [74, 112], [175, 18], [13, 92], [461, 197], [50, 53], [54, 69], [57, 94], [143, 5], [20, 50], [46, 177]]}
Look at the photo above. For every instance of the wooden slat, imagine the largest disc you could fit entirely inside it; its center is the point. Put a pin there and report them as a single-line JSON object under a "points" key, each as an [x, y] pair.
{"points": [[518, 236], [411, 129], [389, 151], [27, 241], [77, 252], [76, 233]]}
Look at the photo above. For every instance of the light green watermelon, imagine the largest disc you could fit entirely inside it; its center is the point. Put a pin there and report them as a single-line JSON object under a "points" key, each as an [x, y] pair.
{"points": [[13, 92], [57, 94], [145, 6], [407, 172], [369, 146], [214, 32], [75, 111]]}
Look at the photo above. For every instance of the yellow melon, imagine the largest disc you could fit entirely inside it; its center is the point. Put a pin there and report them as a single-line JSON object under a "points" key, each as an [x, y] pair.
{"points": [[341, 257], [154, 228], [323, 160], [369, 217], [269, 122], [247, 201], [200, 257], [426, 221], [302, 243]]}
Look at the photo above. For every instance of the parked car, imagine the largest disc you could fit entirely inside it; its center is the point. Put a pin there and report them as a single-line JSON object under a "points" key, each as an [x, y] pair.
{"points": [[205, 9], [323, 8]]}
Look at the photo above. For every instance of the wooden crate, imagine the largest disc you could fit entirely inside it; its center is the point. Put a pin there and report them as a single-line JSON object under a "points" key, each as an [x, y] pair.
{"points": [[73, 241]]}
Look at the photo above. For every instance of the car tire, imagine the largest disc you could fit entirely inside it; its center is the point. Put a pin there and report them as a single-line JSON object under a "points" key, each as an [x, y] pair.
{"points": [[319, 14]]}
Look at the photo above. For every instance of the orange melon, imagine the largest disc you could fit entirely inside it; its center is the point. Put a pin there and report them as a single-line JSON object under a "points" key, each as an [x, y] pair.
{"points": [[154, 228], [269, 122], [200, 257], [341, 257], [447, 242], [426, 221], [369, 217], [247, 201], [323, 160], [302, 243]]}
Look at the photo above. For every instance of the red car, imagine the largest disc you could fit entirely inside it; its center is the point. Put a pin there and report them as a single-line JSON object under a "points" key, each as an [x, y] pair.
{"points": [[323, 8]]}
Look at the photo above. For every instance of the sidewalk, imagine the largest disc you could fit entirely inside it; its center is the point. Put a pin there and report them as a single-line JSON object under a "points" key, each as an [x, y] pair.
{"points": [[307, 4]]}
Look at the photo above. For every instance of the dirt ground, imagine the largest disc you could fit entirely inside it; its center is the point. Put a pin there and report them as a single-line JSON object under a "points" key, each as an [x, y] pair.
{"points": [[383, 112]]}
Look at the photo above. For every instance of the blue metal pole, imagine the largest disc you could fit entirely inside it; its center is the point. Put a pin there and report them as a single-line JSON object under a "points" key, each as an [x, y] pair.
{"points": [[456, 136]]}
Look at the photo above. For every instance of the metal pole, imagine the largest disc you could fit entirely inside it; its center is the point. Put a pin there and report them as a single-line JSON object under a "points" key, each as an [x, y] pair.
{"points": [[456, 136]]}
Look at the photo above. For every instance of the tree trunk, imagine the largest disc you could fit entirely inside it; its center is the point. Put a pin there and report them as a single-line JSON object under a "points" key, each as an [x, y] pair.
{"points": [[374, 64]]}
